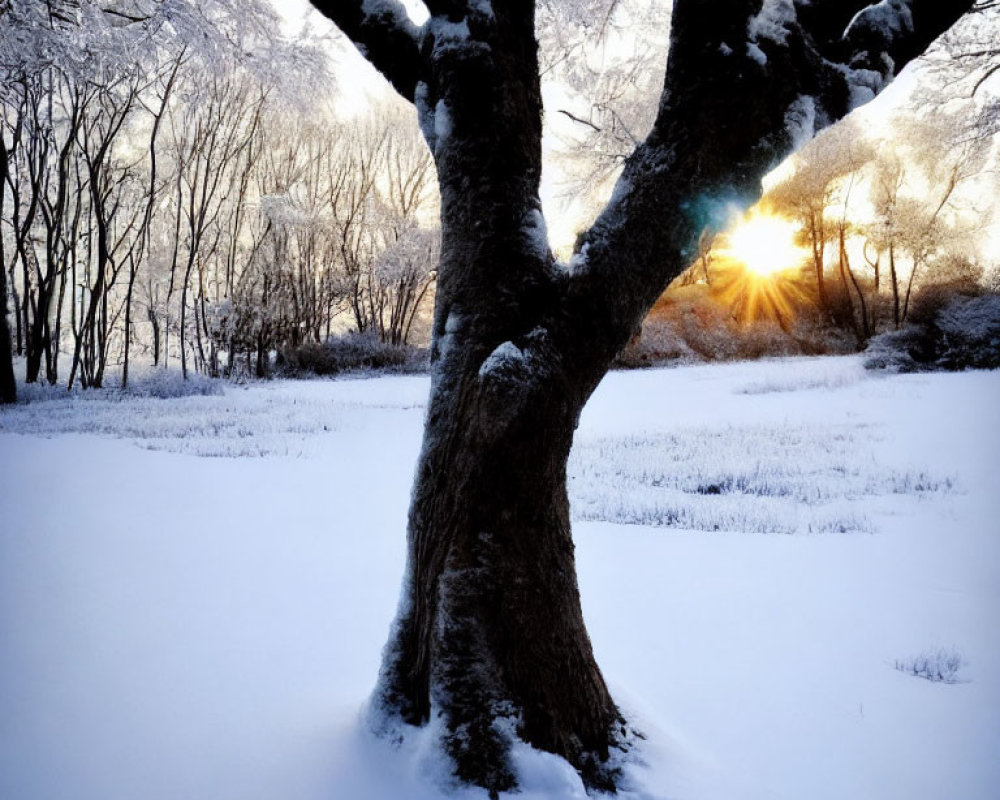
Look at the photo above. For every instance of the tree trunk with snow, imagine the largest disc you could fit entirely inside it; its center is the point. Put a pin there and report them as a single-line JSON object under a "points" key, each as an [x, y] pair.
{"points": [[490, 634]]}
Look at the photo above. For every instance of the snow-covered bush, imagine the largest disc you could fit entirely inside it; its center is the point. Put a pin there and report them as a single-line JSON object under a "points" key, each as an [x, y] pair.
{"points": [[40, 391], [658, 343], [351, 352], [960, 333], [904, 350], [970, 333], [939, 665], [154, 382]]}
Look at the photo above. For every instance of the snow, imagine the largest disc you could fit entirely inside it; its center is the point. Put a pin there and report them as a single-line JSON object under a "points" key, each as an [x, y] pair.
{"points": [[180, 626], [864, 84], [442, 124], [505, 357], [453, 324], [756, 54], [800, 120], [482, 7], [391, 10], [425, 114], [448, 36], [888, 18], [536, 233], [579, 263], [772, 21]]}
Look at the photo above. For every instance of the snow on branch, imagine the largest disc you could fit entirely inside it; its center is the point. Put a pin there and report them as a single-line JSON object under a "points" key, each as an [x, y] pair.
{"points": [[384, 34], [883, 37]]}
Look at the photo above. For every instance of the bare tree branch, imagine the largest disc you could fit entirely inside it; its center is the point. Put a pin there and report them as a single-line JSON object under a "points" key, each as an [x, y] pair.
{"points": [[580, 120]]}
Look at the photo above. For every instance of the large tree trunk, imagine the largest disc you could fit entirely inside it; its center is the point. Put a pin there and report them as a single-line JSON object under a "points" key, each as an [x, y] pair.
{"points": [[489, 636], [490, 625]]}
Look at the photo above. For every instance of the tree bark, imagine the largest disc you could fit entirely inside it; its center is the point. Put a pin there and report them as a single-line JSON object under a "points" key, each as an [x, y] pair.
{"points": [[489, 636]]}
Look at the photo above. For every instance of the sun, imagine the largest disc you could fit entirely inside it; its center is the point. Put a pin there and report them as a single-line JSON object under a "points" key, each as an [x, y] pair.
{"points": [[765, 244]]}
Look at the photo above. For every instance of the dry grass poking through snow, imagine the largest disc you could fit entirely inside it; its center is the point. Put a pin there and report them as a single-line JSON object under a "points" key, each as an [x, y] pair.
{"points": [[274, 419], [750, 477], [763, 478]]}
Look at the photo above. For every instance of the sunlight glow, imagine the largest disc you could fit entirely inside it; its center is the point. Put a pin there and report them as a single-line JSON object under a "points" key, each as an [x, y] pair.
{"points": [[765, 244]]}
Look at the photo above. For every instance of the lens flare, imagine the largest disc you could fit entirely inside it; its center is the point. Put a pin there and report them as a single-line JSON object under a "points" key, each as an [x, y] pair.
{"points": [[765, 245]]}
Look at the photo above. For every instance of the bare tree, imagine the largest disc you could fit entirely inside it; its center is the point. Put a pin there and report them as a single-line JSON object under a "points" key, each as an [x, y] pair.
{"points": [[8, 385], [489, 635], [910, 224], [82, 220]]}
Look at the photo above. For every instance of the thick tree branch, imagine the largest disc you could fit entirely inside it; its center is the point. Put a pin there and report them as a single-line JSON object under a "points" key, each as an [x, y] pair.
{"points": [[744, 88], [383, 33]]}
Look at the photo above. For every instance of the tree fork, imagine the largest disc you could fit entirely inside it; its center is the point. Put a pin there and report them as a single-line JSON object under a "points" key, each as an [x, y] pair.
{"points": [[489, 634]]}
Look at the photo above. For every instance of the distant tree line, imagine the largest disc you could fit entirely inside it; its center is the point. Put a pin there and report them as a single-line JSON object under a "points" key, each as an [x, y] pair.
{"points": [[178, 189], [885, 222], [885, 215]]}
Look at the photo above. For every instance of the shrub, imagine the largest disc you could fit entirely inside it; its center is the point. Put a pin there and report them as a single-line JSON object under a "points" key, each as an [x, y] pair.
{"points": [[699, 322], [970, 333], [349, 353], [905, 350], [938, 666], [658, 343], [952, 333]]}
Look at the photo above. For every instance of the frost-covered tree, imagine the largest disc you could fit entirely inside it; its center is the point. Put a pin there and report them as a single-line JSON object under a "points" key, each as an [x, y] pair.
{"points": [[816, 195], [489, 636], [91, 90], [915, 182]]}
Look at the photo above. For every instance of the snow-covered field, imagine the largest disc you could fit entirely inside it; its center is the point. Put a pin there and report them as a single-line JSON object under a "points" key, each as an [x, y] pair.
{"points": [[194, 591]]}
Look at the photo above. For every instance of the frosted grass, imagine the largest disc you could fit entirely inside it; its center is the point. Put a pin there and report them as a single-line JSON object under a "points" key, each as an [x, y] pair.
{"points": [[279, 419], [758, 478]]}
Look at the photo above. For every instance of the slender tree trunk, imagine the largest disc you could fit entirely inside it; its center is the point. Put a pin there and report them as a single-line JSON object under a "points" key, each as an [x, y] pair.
{"points": [[909, 289], [8, 384], [865, 331], [844, 268], [895, 286], [818, 237], [16, 304], [132, 272], [36, 336], [155, 325], [183, 331]]}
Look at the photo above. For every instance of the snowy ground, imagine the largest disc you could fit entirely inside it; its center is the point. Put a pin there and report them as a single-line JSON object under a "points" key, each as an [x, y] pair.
{"points": [[759, 546]]}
